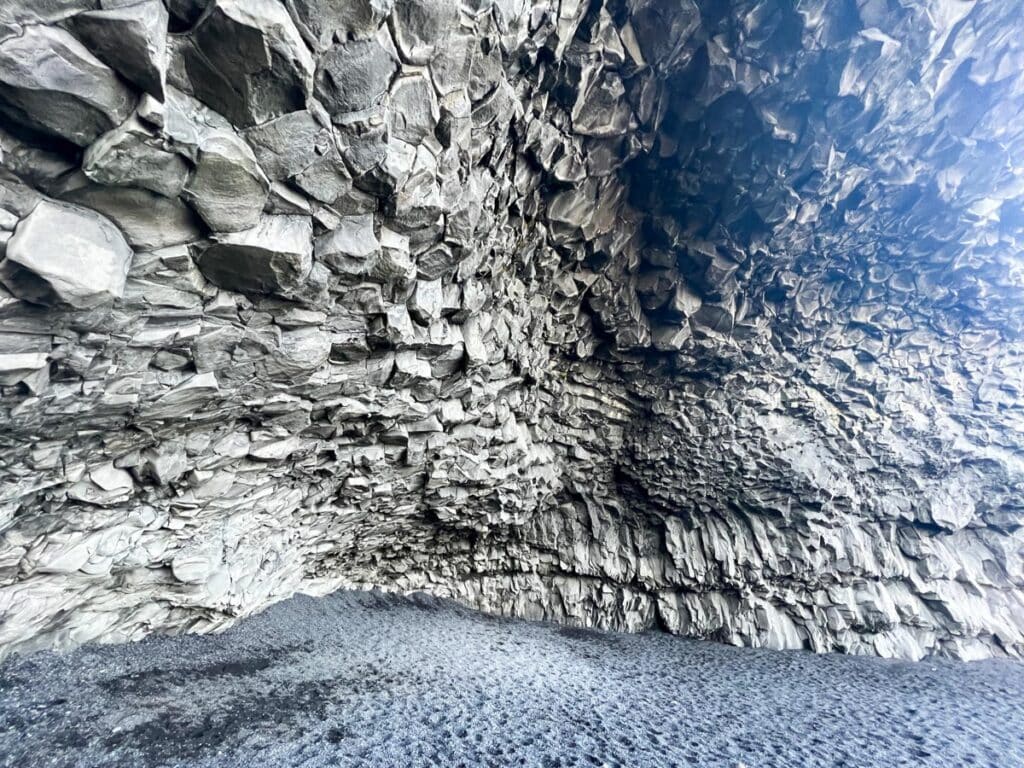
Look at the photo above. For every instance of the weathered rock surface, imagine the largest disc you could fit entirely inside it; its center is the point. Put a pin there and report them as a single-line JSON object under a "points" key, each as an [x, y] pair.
{"points": [[130, 36], [49, 81], [64, 254], [627, 313], [274, 256], [263, 71]]}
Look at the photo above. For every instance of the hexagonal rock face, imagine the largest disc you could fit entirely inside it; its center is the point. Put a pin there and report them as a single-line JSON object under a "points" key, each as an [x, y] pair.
{"points": [[273, 257], [227, 188], [353, 76], [65, 254]]}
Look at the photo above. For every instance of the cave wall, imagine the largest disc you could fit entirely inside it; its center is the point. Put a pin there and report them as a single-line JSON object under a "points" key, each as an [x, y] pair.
{"points": [[630, 314]]}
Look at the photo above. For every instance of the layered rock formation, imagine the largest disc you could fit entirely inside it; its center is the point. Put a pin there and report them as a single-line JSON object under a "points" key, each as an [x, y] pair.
{"points": [[625, 313]]}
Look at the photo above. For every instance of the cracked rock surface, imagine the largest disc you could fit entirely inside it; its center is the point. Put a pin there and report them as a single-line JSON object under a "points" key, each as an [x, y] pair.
{"points": [[622, 313]]}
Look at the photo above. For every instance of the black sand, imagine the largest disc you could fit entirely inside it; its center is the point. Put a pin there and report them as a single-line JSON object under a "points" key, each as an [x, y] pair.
{"points": [[361, 679]]}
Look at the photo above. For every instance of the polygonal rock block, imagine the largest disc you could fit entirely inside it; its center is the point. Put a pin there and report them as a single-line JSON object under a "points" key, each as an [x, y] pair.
{"points": [[50, 81], [131, 38], [147, 220], [354, 76], [228, 188], [273, 257], [132, 156], [349, 250], [414, 112], [421, 27], [321, 22], [289, 144], [64, 254], [247, 61]]}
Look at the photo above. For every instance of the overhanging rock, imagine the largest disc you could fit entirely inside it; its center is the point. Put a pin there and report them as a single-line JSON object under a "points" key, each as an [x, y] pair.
{"points": [[622, 313]]}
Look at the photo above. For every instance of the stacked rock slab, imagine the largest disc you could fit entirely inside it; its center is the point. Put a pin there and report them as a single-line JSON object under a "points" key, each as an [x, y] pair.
{"points": [[622, 313]]}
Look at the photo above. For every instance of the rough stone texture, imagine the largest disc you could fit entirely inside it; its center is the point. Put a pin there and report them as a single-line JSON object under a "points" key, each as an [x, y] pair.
{"points": [[379, 680], [50, 82], [63, 254], [626, 314], [131, 36]]}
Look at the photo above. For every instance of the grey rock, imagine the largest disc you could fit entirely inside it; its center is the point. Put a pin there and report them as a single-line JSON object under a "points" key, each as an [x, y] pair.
{"points": [[24, 12], [265, 73], [187, 12], [354, 76], [322, 22], [16, 367], [413, 108], [427, 301], [227, 188], [51, 82], [131, 37], [422, 27], [133, 156], [394, 262], [615, 314], [288, 145], [64, 254], [148, 220], [275, 256], [351, 248]]}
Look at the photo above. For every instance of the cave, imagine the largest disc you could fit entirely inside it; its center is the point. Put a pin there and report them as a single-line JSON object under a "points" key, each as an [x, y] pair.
{"points": [[620, 318]]}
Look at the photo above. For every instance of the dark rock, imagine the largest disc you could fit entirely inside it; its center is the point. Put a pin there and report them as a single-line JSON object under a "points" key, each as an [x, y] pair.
{"points": [[265, 72], [50, 82], [621, 314], [133, 156], [149, 221], [353, 76], [227, 188], [322, 22], [422, 27], [132, 38], [275, 256], [351, 248]]}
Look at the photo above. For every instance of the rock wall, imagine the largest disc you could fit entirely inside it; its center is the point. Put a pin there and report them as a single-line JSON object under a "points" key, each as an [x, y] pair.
{"points": [[623, 313]]}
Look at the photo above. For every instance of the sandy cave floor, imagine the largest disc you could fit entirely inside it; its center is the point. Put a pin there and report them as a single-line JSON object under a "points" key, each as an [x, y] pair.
{"points": [[364, 679]]}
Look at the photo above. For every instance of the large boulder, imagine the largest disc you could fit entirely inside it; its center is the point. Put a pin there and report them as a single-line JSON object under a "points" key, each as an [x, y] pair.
{"points": [[65, 254], [51, 82]]}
